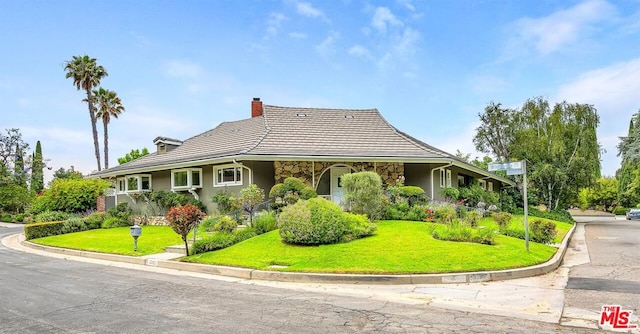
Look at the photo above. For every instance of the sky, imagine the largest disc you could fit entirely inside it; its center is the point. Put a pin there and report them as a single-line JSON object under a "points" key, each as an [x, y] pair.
{"points": [[429, 67]]}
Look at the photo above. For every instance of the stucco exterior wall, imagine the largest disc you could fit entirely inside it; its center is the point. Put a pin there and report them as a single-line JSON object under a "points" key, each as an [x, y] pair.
{"points": [[418, 175]]}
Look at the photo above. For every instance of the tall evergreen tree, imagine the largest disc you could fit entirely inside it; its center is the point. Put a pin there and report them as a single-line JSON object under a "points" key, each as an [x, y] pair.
{"points": [[628, 150], [18, 168], [37, 173]]}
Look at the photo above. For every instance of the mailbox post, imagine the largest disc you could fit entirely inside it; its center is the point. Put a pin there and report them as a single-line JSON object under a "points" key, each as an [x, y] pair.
{"points": [[136, 231]]}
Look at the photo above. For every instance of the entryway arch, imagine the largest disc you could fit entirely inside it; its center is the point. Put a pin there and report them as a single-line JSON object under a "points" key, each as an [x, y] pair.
{"points": [[329, 183]]}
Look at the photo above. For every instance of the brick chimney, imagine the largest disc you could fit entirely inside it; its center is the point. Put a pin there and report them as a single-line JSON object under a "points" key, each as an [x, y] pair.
{"points": [[256, 107]]}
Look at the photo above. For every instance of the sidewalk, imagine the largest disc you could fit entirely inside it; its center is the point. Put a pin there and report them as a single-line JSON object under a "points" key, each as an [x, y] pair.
{"points": [[11, 225]]}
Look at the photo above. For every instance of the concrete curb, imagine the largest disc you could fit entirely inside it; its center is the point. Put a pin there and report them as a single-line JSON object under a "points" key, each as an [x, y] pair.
{"points": [[254, 274]]}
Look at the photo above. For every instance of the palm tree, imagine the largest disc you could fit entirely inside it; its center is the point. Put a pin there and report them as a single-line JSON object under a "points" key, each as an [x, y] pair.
{"points": [[86, 74], [109, 105]]}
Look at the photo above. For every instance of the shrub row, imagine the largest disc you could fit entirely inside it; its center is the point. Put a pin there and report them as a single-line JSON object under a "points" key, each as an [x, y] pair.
{"points": [[41, 230]]}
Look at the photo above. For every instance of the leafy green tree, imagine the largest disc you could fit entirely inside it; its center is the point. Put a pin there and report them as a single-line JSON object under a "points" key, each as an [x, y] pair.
{"points": [[559, 144], [602, 195], [86, 75], [133, 155], [70, 196], [363, 193], [67, 174], [37, 167], [496, 133], [250, 197], [605, 193], [109, 105], [12, 148], [14, 198]]}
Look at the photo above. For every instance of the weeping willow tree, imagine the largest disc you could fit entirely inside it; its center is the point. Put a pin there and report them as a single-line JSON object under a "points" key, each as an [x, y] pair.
{"points": [[559, 144]]}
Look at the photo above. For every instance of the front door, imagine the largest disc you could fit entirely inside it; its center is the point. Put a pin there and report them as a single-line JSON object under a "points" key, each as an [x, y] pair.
{"points": [[337, 195]]}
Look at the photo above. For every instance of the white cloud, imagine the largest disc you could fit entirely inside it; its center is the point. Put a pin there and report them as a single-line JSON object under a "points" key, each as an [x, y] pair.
{"points": [[327, 47], [383, 18], [307, 9], [274, 22], [613, 90], [564, 27], [182, 69], [407, 4]]}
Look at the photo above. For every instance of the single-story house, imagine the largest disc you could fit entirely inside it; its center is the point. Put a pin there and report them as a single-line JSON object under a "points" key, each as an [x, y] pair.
{"points": [[316, 145]]}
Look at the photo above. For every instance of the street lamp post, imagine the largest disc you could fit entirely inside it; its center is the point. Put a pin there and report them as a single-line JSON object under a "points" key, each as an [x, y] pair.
{"points": [[136, 231]]}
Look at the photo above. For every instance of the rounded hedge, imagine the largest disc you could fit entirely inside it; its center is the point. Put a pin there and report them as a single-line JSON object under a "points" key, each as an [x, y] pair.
{"points": [[312, 222]]}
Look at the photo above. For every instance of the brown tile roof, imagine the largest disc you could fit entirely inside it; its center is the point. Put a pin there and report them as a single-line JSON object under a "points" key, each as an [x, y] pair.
{"points": [[299, 132], [336, 132]]}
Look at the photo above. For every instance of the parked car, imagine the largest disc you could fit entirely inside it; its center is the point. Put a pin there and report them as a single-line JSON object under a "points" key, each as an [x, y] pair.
{"points": [[633, 214]]}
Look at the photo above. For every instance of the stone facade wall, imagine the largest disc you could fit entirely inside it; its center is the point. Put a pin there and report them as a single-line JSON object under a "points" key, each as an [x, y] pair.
{"points": [[390, 172], [150, 220]]}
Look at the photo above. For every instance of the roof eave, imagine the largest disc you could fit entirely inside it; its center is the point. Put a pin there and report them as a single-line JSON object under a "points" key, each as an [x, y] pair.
{"points": [[254, 157]]}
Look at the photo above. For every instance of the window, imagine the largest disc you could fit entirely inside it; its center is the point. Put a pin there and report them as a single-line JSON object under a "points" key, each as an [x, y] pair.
{"points": [[461, 181], [186, 178], [445, 178], [138, 183], [121, 186], [490, 186], [483, 184], [227, 175]]}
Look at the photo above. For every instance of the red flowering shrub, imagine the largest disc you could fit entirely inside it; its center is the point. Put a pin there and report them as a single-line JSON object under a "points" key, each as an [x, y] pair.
{"points": [[182, 219], [430, 215]]}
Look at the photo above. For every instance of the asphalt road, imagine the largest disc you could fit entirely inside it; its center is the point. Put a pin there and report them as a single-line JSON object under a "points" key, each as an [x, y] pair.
{"points": [[613, 275], [48, 295]]}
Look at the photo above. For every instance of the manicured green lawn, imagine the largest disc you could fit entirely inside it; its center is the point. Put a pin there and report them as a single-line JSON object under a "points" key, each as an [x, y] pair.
{"points": [[153, 240], [398, 247]]}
